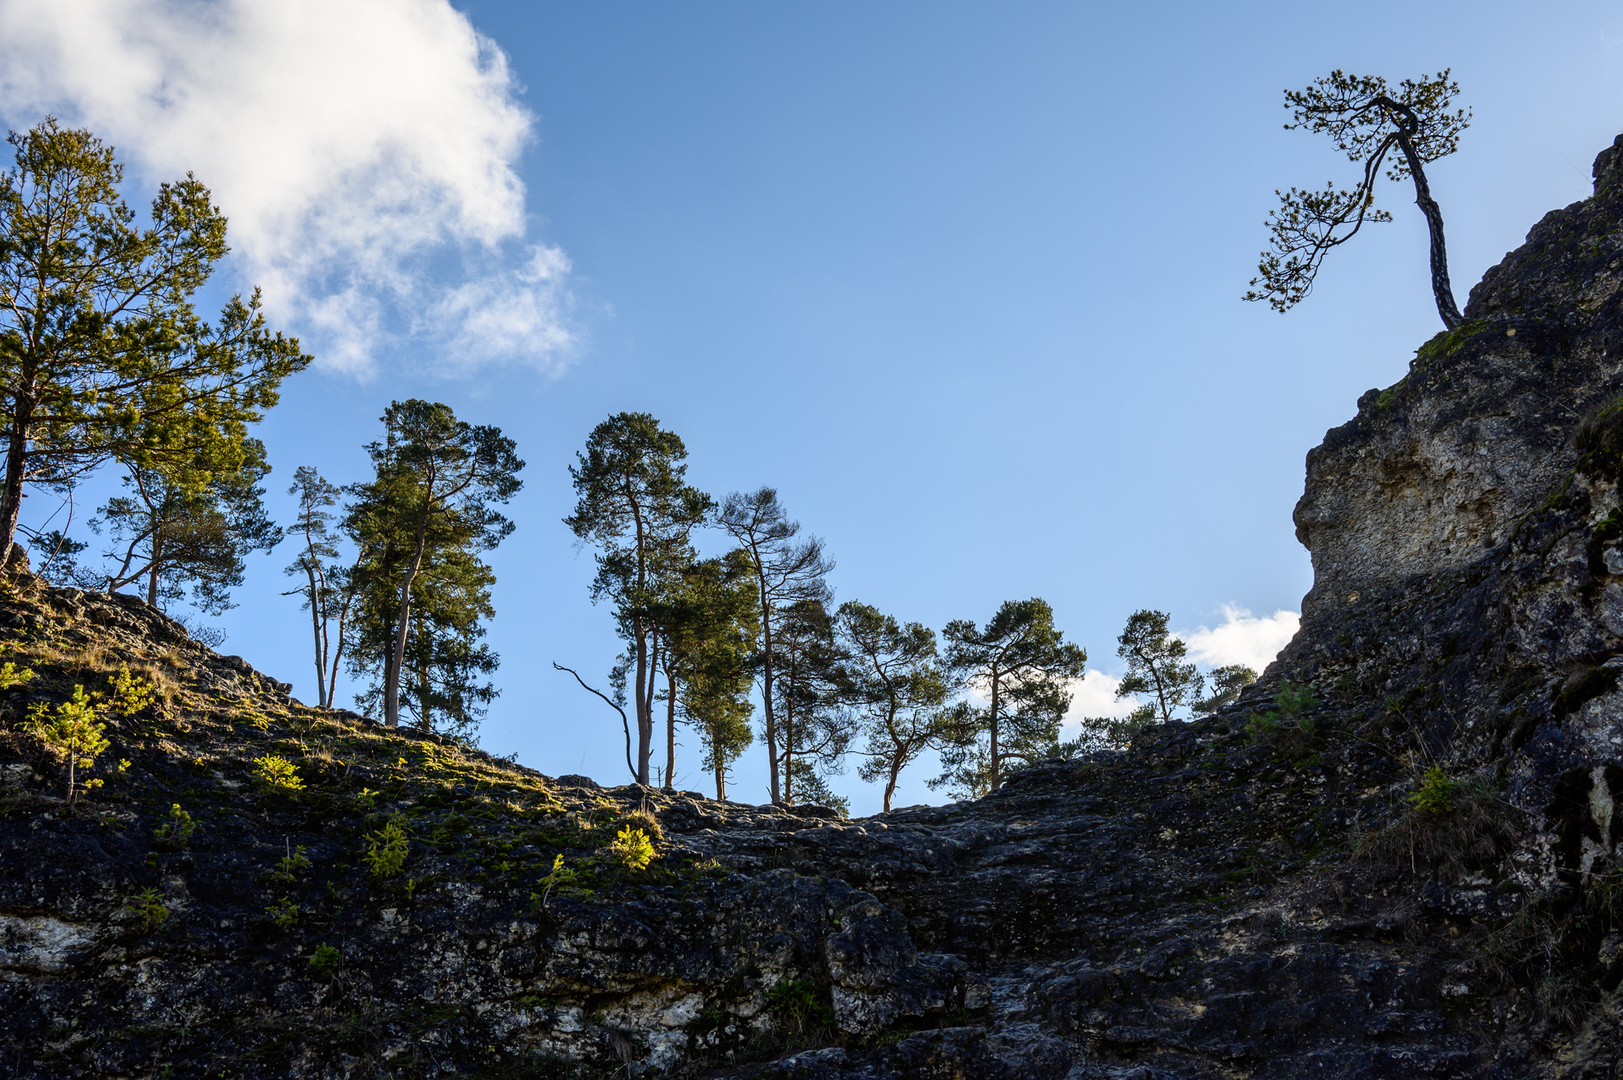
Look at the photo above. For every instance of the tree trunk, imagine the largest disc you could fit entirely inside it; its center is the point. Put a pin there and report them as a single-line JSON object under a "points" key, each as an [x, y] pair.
{"points": [[1160, 689], [423, 692], [338, 651], [152, 574], [316, 604], [789, 743], [1442, 290], [642, 695], [647, 670], [996, 778], [11, 495], [890, 782], [721, 780], [670, 729], [391, 668], [766, 682]]}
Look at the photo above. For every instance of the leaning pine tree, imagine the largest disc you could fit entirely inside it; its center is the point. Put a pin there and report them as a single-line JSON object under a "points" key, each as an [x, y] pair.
{"points": [[895, 685], [1399, 130], [1157, 667]]}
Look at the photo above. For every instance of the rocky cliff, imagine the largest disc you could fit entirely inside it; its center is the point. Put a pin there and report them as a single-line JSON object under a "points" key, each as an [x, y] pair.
{"points": [[1394, 856]]}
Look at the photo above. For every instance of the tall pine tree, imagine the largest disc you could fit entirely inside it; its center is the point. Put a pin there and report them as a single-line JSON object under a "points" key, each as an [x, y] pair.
{"points": [[633, 501], [1022, 666], [786, 572], [103, 356], [422, 592]]}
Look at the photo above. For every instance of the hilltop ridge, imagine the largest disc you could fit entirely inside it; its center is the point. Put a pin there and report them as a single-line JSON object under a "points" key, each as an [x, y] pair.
{"points": [[1413, 870]]}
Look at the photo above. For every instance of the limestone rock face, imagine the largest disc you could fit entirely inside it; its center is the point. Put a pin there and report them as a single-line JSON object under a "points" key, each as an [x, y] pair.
{"points": [[1435, 472], [1464, 529], [1417, 874]]}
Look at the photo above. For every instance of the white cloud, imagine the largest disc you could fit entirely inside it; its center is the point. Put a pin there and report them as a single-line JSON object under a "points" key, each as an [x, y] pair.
{"points": [[1095, 695], [359, 147], [1243, 638]]}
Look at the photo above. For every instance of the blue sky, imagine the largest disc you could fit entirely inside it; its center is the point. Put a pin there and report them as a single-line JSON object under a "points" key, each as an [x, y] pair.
{"points": [[961, 280]]}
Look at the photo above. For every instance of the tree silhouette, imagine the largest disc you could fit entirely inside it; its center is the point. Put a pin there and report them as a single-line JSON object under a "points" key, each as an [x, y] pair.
{"points": [[1368, 120]]}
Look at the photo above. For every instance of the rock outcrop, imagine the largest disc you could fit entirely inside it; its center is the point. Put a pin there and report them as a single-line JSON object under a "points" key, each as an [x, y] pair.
{"points": [[1413, 871]]}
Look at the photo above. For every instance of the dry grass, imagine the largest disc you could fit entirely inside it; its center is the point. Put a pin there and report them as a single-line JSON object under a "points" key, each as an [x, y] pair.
{"points": [[643, 818], [1480, 830]]}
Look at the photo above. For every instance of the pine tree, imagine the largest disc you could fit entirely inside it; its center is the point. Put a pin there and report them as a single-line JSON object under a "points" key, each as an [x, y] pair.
{"points": [[815, 723], [633, 502], [1156, 667], [896, 684], [1368, 119], [421, 590], [1023, 666], [102, 354], [786, 573], [706, 618], [175, 533], [327, 594], [1227, 682]]}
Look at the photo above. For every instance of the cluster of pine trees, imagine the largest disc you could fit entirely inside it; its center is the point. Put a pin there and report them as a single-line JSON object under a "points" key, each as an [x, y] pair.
{"points": [[104, 361], [389, 569], [703, 634]]}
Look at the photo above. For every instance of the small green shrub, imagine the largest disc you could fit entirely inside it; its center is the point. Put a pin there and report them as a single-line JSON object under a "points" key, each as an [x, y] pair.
{"points": [[559, 875], [632, 849], [71, 733], [1436, 794], [11, 675], [386, 850], [1293, 700], [148, 905], [324, 962], [284, 913], [177, 831], [277, 773], [1286, 721], [797, 1002], [130, 694], [291, 865], [1262, 727]]}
